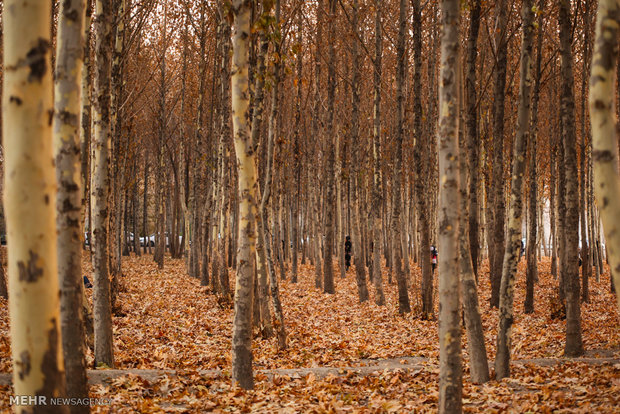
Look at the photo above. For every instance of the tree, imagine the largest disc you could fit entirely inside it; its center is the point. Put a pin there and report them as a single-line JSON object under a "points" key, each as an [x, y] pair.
{"points": [[30, 191], [515, 212], [403, 295], [532, 262], [496, 193], [605, 152], [422, 166], [104, 351], [360, 266], [244, 288], [478, 362], [67, 97], [450, 371], [328, 271], [570, 267], [376, 153]]}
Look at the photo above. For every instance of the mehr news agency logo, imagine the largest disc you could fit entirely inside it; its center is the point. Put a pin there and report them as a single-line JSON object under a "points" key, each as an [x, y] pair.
{"points": [[42, 400]]}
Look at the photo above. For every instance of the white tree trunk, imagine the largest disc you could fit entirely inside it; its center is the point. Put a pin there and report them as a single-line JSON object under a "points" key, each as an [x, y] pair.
{"points": [[604, 147], [30, 192], [242, 325]]}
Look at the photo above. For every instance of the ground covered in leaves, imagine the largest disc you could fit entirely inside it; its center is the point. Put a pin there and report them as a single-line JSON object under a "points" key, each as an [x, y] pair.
{"points": [[168, 321]]}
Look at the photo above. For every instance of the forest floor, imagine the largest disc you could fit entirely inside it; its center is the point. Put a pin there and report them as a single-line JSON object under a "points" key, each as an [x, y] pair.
{"points": [[172, 345]]}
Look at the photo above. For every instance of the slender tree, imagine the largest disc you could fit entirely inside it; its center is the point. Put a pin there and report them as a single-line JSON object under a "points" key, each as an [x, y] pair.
{"points": [[100, 185], [242, 325], [360, 266], [403, 295], [570, 267], [328, 271], [515, 213], [496, 194], [450, 370], [30, 191], [67, 102], [532, 262], [604, 148], [422, 166], [376, 152]]}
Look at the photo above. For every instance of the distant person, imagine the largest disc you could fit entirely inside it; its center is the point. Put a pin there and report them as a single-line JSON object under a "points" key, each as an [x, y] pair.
{"points": [[348, 246], [87, 282], [434, 255]]}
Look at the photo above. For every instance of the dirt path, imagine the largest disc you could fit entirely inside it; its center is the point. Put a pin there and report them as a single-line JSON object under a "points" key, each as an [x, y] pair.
{"points": [[365, 367]]}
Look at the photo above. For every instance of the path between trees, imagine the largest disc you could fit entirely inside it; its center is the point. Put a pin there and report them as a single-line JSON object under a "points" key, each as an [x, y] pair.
{"points": [[365, 367]]}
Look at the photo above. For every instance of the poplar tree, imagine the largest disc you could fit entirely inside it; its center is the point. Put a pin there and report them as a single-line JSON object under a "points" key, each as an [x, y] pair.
{"points": [[67, 105], [450, 369], [30, 192]]}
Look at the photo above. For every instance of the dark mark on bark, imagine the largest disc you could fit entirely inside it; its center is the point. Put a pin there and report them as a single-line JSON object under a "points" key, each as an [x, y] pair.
{"points": [[69, 12], [30, 273], [37, 60], [47, 199], [24, 365], [67, 117], [53, 377], [18, 101], [602, 156]]}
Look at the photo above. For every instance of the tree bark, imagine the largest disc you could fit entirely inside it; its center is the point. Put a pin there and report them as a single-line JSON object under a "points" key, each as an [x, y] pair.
{"points": [[358, 252], [604, 148], [496, 195], [450, 370], [100, 187], [478, 362], [586, 269], [67, 102], [471, 122], [422, 167], [30, 192], [377, 277], [328, 271], [515, 212], [403, 295], [242, 324], [531, 275], [574, 342]]}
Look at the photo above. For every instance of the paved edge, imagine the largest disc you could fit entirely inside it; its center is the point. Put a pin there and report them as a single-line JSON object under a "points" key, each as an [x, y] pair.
{"points": [[367, 367]]}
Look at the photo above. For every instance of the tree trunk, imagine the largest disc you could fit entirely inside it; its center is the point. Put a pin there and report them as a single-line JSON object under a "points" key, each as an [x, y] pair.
{"points": [[403, 295], [145, 233], [358, 252], [67, 90], [257, 117], [515, 212], [450, 371], [531, 274], [422, 168], [297, 148], [471, 122], [100, 185], [30, 192], [574, 343], [328, 270], [478, 362], [586, 269], [85, 126], [242, 324], [496, 195], [604, 150], [377, 277]]}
